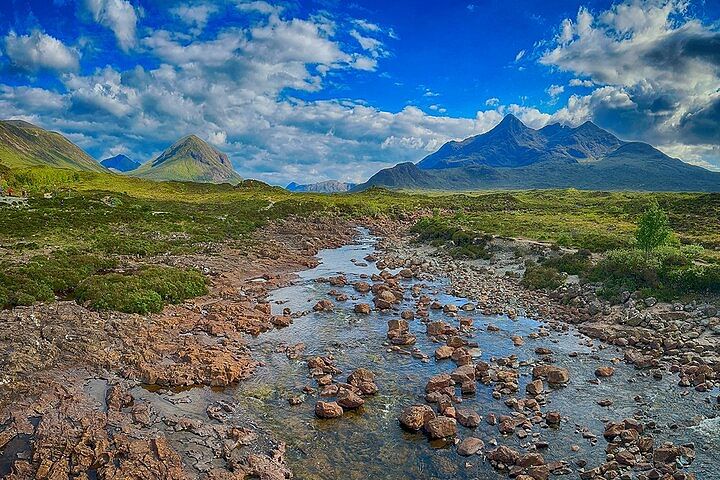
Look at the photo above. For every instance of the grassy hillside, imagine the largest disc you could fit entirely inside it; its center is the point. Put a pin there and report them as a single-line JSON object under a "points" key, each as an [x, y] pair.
{"points": [[190, 159], [24, 145], [96, 221]]}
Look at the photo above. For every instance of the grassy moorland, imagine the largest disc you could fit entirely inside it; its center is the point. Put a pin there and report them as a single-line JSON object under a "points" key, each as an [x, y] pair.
{"points": [[80, 227]]}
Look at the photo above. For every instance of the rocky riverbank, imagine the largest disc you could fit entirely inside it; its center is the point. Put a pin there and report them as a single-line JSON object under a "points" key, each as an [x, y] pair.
{"points": [[682, 339], [68, 372], [108, 395]]}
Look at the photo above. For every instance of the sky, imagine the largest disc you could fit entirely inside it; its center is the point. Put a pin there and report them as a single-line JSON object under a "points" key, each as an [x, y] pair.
{"points": [[328, 89]]}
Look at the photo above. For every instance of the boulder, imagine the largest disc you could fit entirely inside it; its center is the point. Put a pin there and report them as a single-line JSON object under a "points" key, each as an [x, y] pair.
{"points": [[415, 417], [349, 400], [441, 427], [470, 446], [328, 410], [467, 417], [505, 455], [604, 372], [362, 308]]}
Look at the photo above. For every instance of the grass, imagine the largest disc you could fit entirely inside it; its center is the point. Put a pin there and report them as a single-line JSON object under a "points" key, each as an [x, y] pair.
{"points": [[123, 222]]}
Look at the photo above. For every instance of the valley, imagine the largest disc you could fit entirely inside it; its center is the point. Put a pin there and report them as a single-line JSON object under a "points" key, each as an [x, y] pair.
{"points": [[214, 382]]}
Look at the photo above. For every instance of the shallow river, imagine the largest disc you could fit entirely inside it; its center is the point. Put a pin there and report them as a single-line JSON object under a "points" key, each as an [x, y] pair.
{"points": [[370, 443]]}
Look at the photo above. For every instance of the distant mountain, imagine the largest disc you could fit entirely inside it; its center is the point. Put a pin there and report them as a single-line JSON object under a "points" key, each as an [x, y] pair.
{"points": [[328, 186], [512, 144], [23, 144], [190, 159], [120, 163], [513, 156]]}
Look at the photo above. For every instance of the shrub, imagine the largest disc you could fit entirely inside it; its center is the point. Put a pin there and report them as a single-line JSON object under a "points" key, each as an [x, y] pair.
{"points": [[572, 263], [653, 229], [461, 243], [45, 276], [540, 277], [143, 291], [666, 272]]}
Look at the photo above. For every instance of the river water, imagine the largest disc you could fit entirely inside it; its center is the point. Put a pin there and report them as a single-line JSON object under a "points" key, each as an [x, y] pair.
{"points": [[369, 444]]}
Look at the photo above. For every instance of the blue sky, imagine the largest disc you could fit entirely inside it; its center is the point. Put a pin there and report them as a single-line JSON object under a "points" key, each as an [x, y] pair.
{"points": [[314, 90]]}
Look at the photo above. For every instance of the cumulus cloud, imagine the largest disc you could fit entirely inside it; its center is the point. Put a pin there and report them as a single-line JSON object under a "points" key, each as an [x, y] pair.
{"points": [[117, 15], [196, 15], [577, 82], [658, 70], [555, 90], [39, 51]]}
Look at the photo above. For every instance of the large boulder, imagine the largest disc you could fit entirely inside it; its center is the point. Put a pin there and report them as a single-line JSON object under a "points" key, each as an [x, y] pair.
{"points": [[328, 410], [441, 427], [504, 455], [470, 446], [415, 417], [350, 400]]}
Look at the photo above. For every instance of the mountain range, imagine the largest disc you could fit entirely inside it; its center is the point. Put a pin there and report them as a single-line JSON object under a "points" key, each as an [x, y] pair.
{"points": [[120, 163], [510, 156], [514, 156], [328, 186], [190, 159]]}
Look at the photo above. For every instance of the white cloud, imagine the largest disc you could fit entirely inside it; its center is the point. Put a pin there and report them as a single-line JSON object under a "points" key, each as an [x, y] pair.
{"points": [[218, 138], [657, 70], [39, 51], [117, 15], [372, 45], [577, 82], [196, 15], [519, 55], [260, 7], [555, 90], [492, 102], [368, 26], [472, 7]]}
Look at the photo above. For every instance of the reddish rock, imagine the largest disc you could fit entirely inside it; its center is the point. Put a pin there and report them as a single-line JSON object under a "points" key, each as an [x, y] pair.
{"points": [[441, 427], [415, 417], [328, 410]]}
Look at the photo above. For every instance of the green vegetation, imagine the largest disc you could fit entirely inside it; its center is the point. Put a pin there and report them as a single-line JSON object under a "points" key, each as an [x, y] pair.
{"points": [[43, 277], [540, 277], [144, 291], [460, 243], [656, 265], [124, 223], [653, 230]]}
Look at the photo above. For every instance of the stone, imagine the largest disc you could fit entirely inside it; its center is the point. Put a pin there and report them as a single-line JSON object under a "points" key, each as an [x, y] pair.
{"points": [[438, 382], [328, 410], [467, 417], [324, 306], [553, 418], [361, 287], [604, 372], [441, 427], [470, 446], [534, 388], [362, 308], [557, 375], [415, 417], [444, 352], [504, 455], [349, 400]]}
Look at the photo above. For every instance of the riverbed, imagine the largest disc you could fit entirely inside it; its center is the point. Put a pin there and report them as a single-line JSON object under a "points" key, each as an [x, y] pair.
{"points": [[369, 443]]}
